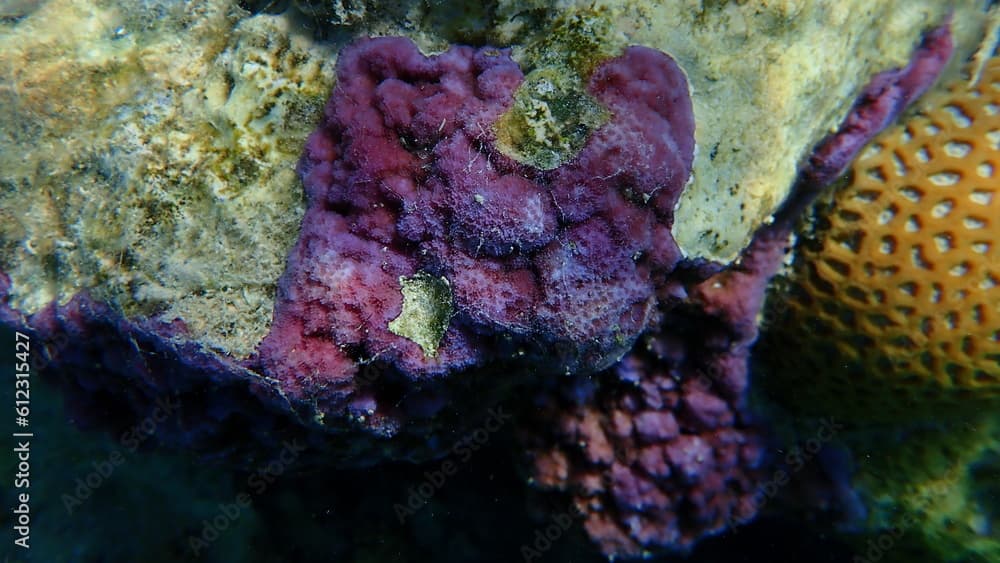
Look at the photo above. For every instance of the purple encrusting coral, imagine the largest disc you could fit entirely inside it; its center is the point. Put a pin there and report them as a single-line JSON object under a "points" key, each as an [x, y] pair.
{"points": [[659, 450], [404, 180], [144, 375], [549, 271], [880, 103]]}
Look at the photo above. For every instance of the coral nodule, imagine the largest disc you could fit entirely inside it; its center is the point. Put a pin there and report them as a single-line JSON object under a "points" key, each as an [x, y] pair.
{"points": [[405, 183]]}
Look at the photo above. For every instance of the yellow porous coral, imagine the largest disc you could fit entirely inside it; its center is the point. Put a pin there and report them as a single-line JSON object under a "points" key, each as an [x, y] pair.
{"points": [[893, 306]]}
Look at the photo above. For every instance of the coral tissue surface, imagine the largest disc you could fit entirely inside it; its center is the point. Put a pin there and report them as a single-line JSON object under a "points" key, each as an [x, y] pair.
{"points": [[427, 250]]}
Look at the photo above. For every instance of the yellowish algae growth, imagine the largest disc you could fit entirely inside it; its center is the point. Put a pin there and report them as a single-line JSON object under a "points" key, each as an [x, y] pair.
{"points": [[553, 114], [336, 12], [155, 159], [551, 120], [427, 308], [781, 77], [769, 79]]}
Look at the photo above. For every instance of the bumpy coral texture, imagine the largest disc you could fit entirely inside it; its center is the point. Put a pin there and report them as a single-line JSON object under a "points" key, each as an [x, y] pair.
{"points": [[403, 181], [658, 451], [899, 288]]}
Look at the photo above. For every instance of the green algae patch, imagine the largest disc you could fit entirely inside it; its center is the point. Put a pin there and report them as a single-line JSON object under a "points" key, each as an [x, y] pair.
{"points": [[427, 308], [550, 121], [578, 41], [553, 115]]}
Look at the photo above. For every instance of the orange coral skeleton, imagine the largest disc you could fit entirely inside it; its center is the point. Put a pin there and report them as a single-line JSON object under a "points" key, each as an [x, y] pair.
{"points": [[900, 284]]}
